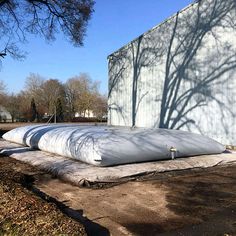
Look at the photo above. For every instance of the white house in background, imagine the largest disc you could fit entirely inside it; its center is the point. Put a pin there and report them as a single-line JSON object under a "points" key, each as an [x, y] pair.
{"points": [[87, 114], [180, 75], [5, 116]]}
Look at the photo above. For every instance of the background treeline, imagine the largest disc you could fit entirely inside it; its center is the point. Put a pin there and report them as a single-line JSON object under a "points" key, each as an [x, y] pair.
{"points": [[42, 99]]}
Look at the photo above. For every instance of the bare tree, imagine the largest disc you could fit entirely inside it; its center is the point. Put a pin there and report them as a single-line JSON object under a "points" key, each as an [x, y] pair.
{"points": [[52, 90], [46, 18], [73, 92], [45, 93], [33, 87], [33, 90], [24, 110], [33, 83], [80, 94], [46, 96], [100, 106], [12, 105]]}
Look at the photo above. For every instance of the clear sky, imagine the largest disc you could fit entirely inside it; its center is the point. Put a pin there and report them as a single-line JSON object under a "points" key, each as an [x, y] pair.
{"points": [[113, 24]]}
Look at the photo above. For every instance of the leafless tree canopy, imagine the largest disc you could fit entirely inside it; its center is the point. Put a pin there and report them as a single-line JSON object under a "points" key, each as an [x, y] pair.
{"points": [[79, 95], [82, 95], [42, 17]]}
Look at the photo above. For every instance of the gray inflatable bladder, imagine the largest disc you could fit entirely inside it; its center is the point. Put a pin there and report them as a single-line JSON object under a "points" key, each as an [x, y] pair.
{"points": [[106, 146]]}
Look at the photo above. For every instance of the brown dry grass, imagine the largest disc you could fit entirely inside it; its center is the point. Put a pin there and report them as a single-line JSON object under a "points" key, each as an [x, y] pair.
{"points": [[23, 213]]}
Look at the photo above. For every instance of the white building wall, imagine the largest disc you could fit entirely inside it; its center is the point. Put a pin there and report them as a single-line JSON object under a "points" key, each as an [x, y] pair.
{"points": [[180, 75]]}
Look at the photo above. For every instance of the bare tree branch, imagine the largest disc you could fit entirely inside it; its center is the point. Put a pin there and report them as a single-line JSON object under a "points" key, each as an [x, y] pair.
{"points": [[45, 18]]}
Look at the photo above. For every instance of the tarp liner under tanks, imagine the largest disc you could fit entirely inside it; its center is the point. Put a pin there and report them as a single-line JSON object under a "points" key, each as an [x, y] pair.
{"points": [[105, 146]]}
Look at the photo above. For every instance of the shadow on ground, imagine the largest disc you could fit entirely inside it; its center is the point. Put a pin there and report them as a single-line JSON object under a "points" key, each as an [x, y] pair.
{"points": [[205, 203], [91, 227]]}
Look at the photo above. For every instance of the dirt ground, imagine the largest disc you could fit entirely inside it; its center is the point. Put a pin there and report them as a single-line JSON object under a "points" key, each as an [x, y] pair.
{"points": [[197, 202]]}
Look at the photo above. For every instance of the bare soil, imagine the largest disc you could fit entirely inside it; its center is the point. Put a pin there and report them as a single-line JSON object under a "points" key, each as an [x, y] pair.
{"points": [[197, 202]]}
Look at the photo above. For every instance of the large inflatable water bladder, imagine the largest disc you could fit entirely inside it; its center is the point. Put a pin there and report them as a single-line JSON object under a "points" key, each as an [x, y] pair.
{"points": [[108, 146]]}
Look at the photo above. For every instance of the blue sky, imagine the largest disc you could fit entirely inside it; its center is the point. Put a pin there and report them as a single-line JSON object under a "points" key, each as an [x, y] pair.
{"points": [[113, 24]]}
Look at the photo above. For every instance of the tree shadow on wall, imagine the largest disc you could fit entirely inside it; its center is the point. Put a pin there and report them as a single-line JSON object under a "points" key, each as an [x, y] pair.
{"points": [[194, 55], [128, 63], [191, 80]]}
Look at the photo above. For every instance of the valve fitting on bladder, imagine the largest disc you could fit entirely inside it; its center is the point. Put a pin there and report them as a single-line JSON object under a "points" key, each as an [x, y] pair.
{"points": [[173, 151]]}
